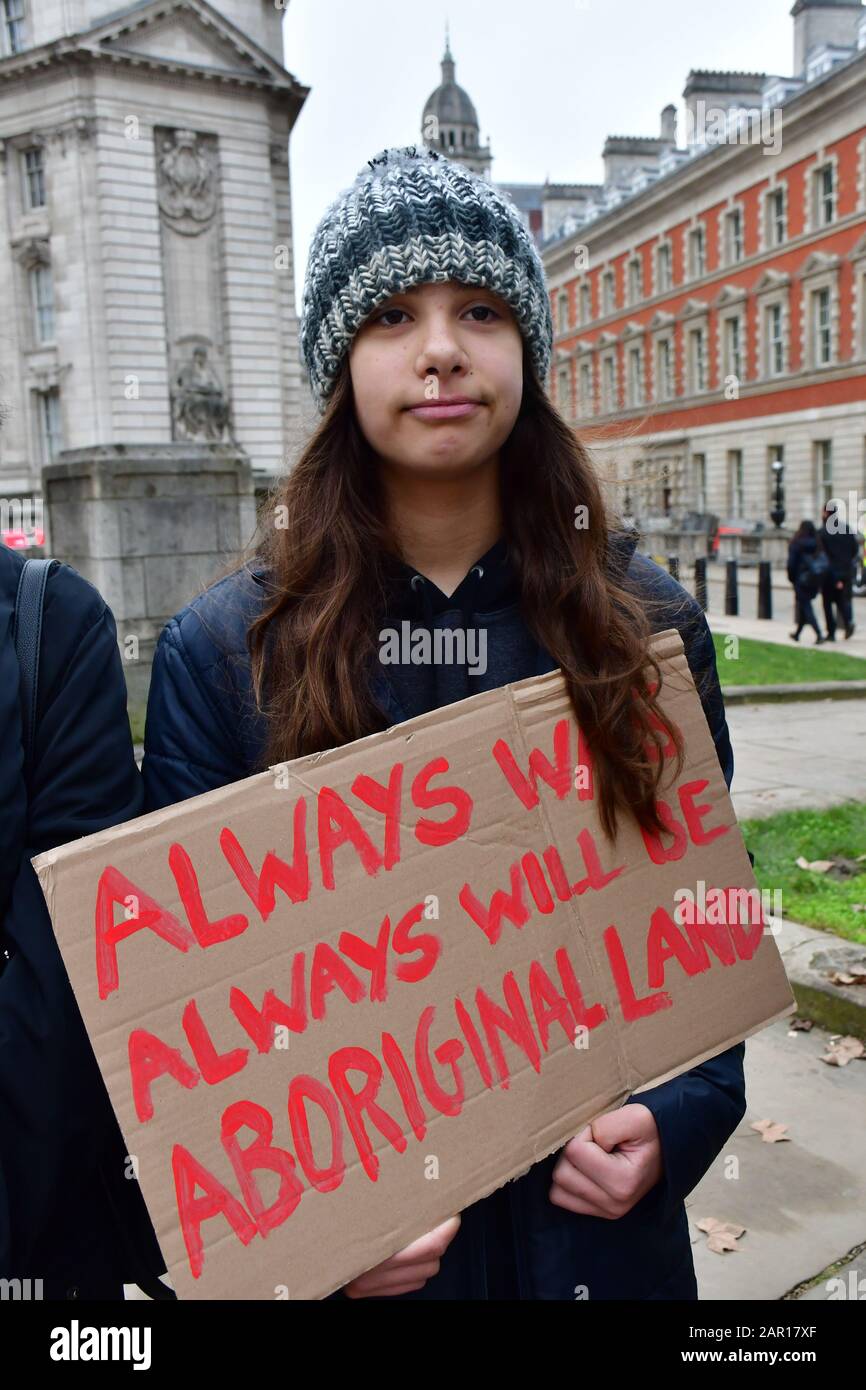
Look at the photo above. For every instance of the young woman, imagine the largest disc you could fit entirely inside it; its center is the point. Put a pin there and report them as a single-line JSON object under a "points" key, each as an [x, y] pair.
{"points": [[442, 489], [804, 552]]}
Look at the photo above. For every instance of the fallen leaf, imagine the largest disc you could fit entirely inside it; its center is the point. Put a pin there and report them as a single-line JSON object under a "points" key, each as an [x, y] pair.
{"points": [[817, 866], [770, 1131], [844, 977], [842, 1051], [721, 1235]]}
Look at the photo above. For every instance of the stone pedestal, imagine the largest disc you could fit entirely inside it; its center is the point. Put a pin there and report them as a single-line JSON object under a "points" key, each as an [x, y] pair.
{"points": [[151, 527]]}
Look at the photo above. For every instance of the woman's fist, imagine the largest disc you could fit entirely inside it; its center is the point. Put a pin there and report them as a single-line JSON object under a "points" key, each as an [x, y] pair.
{"points": [[409, 1269]]}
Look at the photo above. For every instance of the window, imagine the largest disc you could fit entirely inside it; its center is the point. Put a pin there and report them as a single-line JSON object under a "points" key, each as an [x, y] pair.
{"points": [[608, 384], [42, 289], [734, 235], [635, 281], [34, 178], [50, 425], [697, 253], [562, 310], [697, 362], [826, 195], [586, 388], [824, 471], [14, 32], [608, 292], [585, 303], [699, 476], [733, 350], [822, 345], [775, 340], [563, 392], [635, 376], [736, 485], [664, 369], [777, 217], [664, 275]]}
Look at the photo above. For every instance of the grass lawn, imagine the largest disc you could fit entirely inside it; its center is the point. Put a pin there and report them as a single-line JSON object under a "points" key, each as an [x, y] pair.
{"points": [[812, 898], [136, 723], [769, 663]]}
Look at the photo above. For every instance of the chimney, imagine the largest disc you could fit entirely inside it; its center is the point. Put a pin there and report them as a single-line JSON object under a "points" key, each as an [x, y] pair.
{"points": [[817, 22], [669, 124]]}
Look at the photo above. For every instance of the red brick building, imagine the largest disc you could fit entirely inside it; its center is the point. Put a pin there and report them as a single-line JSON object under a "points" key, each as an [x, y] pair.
{"points": [[711, 319]]}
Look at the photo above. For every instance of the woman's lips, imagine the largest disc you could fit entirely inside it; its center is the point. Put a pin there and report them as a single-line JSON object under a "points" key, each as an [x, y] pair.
{"points": [[440, 410]]}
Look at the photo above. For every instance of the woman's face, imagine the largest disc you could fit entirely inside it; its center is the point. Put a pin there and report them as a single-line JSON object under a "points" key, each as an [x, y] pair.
{"points": [[419, 350]]}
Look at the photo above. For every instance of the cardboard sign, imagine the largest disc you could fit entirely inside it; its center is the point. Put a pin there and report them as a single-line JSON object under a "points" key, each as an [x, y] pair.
{"points": [[339, 1001]]}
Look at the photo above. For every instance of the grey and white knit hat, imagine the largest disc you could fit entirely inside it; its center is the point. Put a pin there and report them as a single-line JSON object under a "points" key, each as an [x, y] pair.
{"points": [[413, 216]]}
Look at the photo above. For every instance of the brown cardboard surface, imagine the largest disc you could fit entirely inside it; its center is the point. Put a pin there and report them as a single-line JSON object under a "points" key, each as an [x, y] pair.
{"points": [[482, 1042]]}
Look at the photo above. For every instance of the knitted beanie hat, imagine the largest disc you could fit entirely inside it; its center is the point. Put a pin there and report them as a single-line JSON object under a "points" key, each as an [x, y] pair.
{"points": [[413, 216]]}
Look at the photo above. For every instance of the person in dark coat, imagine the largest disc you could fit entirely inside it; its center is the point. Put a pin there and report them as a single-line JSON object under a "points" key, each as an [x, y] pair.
{"points": [[804, 551], [841, 545], [442, 490], [71, 1211]]}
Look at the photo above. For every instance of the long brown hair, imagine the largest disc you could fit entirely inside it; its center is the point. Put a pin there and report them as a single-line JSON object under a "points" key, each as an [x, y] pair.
{"points": [[324, 538]]}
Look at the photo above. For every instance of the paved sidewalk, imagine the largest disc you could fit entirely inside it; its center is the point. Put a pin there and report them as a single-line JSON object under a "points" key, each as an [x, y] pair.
{"points": [[803, 1202], [797, 756]]}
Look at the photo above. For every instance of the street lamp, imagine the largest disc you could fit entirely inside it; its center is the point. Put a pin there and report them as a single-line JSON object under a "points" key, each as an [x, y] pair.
{"points": [[777, 511]]}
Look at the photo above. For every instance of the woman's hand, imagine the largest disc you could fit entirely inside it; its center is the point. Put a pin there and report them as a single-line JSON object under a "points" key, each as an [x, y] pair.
{"points": [[610, 1165], [409, 1269]]}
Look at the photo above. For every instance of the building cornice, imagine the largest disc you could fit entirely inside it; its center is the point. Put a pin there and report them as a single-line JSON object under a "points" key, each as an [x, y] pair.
{"points": [[843, 83]]}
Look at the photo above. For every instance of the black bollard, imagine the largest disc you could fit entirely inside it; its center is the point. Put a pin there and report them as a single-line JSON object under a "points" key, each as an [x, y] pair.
{"points": [[765, 589], [701, 581], [731, 603], [674, 566]]}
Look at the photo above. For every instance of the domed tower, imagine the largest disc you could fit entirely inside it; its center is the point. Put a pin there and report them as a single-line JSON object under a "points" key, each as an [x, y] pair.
{"points": [[450, 123]]}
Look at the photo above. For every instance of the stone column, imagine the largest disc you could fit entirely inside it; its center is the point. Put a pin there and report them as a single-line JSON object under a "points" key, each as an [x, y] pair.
{"points": [[151, 526]]}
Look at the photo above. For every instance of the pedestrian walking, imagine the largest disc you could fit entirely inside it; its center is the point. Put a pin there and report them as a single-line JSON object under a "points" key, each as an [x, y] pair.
{"points": [[841, 546], [807, 566]]}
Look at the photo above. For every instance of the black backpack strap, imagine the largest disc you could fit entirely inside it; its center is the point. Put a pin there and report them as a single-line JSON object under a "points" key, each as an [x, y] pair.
{"points": [[27, 635]]}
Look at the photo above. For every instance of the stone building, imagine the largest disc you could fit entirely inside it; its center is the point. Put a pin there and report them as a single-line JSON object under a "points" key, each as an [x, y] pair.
{"points": [[149, 364], [146, 248], [711, 307]]}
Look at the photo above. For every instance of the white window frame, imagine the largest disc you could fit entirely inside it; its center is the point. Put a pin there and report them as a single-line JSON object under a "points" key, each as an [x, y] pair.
{"points": [[664, 250], [734, 246], [43, 304], [822, 454], [771, 241], [14, 12], [586, 302], [608, 292], [699, 481], [696, 254], [564, 402], [635, 273], [773, 290], [634, 352], [562, 311], [609, 382], [736, 470], [775, 338], [821, 200], [50, 424], [664, 388], [27, 174], [820, 272], [587, 396]]}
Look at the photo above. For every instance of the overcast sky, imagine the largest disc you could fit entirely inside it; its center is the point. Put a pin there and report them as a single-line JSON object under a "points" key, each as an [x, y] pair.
{"points": [[549, 78]]}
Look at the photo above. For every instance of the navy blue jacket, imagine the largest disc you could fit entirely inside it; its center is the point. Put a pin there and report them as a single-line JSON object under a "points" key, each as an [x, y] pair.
{"points": [[203, 731], [68, 1214]]}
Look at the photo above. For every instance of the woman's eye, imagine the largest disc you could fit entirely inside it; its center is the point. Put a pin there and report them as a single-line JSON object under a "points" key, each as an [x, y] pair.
{"points": [[382, 317], [485, 309]]}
